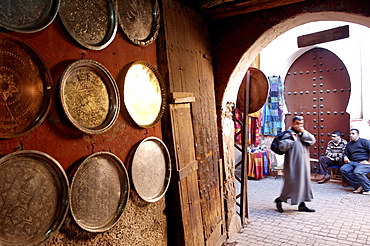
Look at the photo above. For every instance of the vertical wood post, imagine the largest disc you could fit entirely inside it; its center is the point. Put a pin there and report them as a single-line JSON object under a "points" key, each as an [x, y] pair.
{"points": [[244, 211]]}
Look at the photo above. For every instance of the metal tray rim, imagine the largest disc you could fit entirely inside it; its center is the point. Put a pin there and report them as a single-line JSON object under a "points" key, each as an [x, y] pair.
{"points": [[123, 201], [158, 196], [114, 101]]}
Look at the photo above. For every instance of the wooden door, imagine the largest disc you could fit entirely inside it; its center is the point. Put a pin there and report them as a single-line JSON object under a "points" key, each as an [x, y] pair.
{"points": [[185, 62], [317, 87], [187, 166]]}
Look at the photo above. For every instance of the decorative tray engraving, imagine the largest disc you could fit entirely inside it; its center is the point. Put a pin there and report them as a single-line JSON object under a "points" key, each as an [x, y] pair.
{"points": [[25, 88], [139, 20], [89, 96], [27, 16], [92, 23], [34, 195], [99, 192], [144, 94], [151, 169]]}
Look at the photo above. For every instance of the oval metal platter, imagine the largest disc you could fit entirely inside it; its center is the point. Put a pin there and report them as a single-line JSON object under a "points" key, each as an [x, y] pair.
{"points": [[34, 190], [144, 94], [89, 96], [99, 192], [27, 16], [151, 169], [139, 20], [258, 93], [92, 23], [25, 87]]}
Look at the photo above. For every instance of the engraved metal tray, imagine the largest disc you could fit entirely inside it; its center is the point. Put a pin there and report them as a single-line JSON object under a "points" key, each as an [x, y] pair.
{"points": [[89, 96], [139, 20], [99, 192], [34, 195], [25, 87], [144, 94], [27, 16], [92, 23], [151, 169]]}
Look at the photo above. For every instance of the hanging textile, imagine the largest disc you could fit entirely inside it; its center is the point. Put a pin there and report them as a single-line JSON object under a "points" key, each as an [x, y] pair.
{"points": [[273, 109]]}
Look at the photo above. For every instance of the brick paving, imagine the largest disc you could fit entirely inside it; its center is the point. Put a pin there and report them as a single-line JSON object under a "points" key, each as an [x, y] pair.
{"points": [[341, 217]]}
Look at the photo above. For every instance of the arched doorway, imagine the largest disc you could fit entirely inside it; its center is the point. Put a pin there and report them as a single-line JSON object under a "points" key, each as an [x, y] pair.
{"points": [[235, 78]]}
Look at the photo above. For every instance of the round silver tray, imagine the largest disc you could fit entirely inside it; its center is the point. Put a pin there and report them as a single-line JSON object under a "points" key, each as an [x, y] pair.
{"points": [[27, 16], [34, 190], [99, 192], [89, 96], [151, 169], [144, 94], [92, 23], [139, 20], [25, 87]]}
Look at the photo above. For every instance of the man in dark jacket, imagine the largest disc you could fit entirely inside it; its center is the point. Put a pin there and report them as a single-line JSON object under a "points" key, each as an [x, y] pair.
{"points": [[356, 156], [297, 175]]}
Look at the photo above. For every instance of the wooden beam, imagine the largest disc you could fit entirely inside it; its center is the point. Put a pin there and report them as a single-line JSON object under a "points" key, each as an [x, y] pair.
{"points": [[323, 36], [182, 97], [233, 9]]}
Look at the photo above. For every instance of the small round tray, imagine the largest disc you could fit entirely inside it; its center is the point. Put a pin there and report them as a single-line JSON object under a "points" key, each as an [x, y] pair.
{"points": [[151, 169], [27, 16], [89, 96], [144, 94], [99, 192], [34, 190], [92, 23], [25, 88], [139, 20]]}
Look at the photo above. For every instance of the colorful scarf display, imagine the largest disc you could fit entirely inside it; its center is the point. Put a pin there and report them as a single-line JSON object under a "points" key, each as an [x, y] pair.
{"points": [[273, 109]]}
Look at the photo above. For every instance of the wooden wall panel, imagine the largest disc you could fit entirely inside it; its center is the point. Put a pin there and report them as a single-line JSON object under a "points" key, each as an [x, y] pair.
{"points": [[187, 65]]}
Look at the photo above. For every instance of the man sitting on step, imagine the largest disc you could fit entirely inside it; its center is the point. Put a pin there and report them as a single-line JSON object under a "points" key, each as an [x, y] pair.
{"points": [[333, 156], [357, 166]]}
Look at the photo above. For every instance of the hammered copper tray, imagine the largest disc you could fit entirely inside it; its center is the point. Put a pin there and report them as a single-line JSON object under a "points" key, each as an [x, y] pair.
{"points": [[27, 16], [99, 192], [139, 20], [144, 94], [92, 23], [25, 87], [151, 169], [34, 190], [89, 96]]}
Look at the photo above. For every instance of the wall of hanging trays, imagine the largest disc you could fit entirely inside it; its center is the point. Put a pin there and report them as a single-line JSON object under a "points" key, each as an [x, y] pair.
{"points": [[80, 134]]}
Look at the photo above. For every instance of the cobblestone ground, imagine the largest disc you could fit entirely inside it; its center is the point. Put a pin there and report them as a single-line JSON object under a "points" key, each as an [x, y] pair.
{"points": [[341, 217]]}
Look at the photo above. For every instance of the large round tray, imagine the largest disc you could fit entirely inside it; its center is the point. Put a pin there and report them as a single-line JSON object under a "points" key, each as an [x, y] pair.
{"points": [[27, 16], [92, 23], [34, 198], [139, 20], [89, 96], [99, 192], [144, 94], [25, 88], [151, 169]]}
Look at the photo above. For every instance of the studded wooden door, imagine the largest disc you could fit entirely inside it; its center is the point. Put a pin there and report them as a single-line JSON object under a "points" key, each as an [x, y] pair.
{"points": [[317, 87]]}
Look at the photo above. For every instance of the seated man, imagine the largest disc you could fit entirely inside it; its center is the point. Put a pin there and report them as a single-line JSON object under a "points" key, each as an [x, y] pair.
{"points": [[356, 158], [333, 156]]}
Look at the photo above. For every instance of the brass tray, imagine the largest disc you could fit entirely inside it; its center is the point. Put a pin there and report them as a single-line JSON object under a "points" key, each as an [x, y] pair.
{"points": [[144, 94], [89, 96], [139, 20], [99, 192], [151, 169], [92, 23], [34, 190], [27, 16], [25, 87]]}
